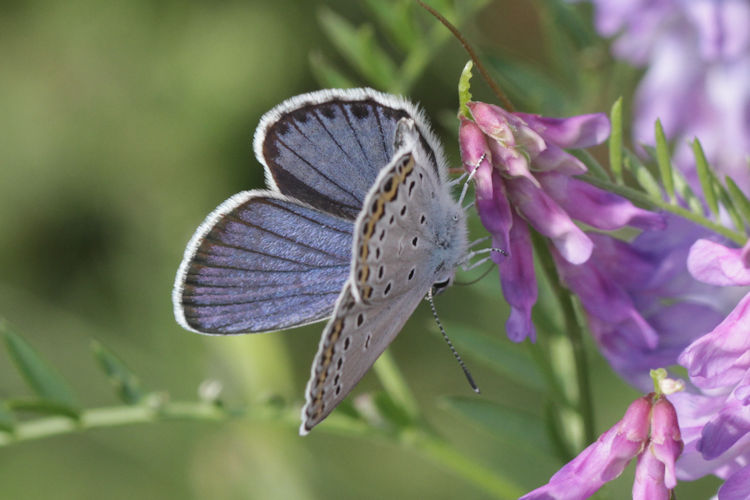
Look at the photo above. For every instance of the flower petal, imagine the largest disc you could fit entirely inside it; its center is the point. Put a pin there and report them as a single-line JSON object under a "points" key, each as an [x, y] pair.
{"points": [[519, 283], [601, 461], [573, 132], [666, 442], [722, 357], [595, 207], [649, 479], [549, 219], [736, 486], [554, 158], [716, 264], [491, 201]]}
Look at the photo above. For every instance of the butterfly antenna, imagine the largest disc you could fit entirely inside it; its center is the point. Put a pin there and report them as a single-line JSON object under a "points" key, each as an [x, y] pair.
{"points": [[468, 179], [450, 344]]}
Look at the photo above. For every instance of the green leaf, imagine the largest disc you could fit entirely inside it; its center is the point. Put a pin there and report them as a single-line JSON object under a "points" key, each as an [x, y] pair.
{"points": [[44, 407], [525, 85], [392, 411], [359, 47], [686, 193], [591, 163], [642, 175], [46, 382], [615, 140], [705, 177], [503, 356], [727, 201], [738, 198], [514, 427], [464, 90], [326, 74], [124, 381], [7, 422], [396, 20], [663, 160]]}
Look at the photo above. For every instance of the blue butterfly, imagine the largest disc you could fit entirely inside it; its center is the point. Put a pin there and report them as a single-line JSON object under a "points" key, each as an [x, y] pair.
{"points": [[357, 225]]}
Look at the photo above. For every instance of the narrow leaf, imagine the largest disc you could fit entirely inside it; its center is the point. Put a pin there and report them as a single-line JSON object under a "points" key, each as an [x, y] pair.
{"points": [[326, 74], [359, 47], [615, 140], [738, 198], [45, 381], [124, 381], [705, 177], [642, 175], [7, 422], [514, 427], [685, 192], [391, 411], [500, 354], [464, 90], [663, 160], [728, 203], [44, 407], [396, 20]]}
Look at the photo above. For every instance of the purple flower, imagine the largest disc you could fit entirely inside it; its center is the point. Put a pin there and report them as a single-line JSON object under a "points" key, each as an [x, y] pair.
{"points": [[605, 459], [523, 177], [715, 414], [697, 81], [642, 308]]}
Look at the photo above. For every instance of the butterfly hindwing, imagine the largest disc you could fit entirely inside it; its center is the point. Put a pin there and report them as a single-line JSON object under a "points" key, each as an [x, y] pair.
{"points": [[262, 262]]}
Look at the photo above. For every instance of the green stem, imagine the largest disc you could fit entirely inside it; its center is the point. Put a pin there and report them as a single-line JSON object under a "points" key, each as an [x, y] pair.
{"points": [[395, 385], [430, 446], [648, 202], [573, 331]]}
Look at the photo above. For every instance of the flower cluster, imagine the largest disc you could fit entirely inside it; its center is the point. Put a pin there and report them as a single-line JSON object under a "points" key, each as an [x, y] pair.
{"points": [[697, 80], [524, 177], [649, 431], [715, 416]]}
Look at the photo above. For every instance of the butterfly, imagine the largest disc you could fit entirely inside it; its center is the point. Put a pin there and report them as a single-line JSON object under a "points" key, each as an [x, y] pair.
{"points": [[357, 225]]}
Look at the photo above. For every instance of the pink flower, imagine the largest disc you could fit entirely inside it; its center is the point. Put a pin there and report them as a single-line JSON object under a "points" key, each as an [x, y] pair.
{"points": [[605, 459], [523, 177]]}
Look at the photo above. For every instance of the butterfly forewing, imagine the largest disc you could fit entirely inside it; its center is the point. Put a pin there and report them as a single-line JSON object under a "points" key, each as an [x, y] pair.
{"points": [[326, 148], [262, 262]]}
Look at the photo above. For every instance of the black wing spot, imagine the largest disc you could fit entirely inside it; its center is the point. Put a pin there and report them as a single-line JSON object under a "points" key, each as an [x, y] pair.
{"points": [[338, 390], [381, 271], [411, 186], [328, 112], [360, 320], [423, 219], [381, 236], [339, 364], [360, 110], [387, 289], [347, 343], [403, 210], [414, 242], [411, 273], [367, 341]]}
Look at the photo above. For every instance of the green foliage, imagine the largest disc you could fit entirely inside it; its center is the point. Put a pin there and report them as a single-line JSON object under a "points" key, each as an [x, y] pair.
{"points": [[53, 391], [413, 39]]}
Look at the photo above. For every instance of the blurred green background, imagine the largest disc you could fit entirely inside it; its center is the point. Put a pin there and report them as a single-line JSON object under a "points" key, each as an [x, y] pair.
{"points": [[122, 125]]}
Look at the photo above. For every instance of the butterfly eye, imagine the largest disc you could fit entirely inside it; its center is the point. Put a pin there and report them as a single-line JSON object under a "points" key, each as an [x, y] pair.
{"points": [[439, 286]]}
